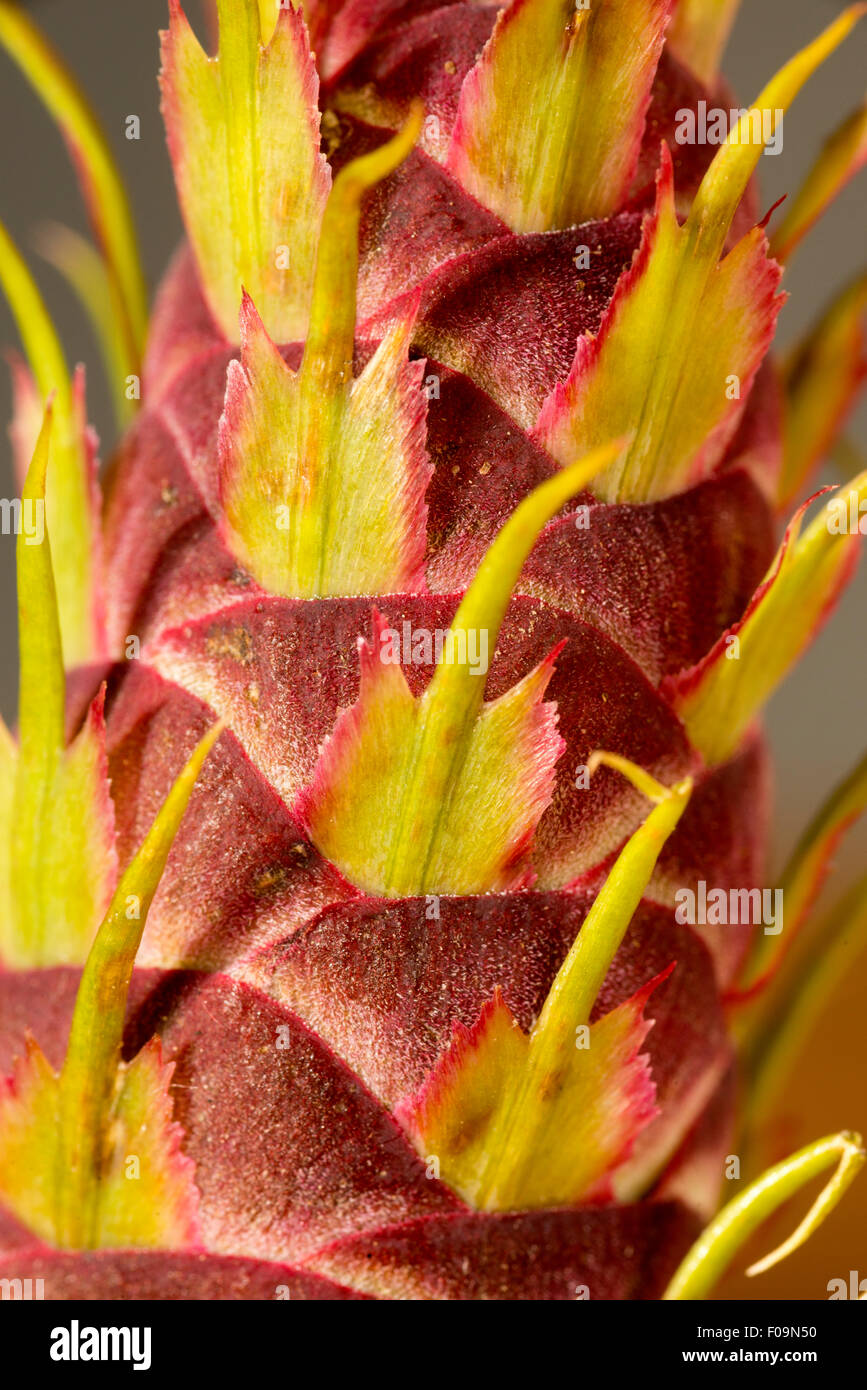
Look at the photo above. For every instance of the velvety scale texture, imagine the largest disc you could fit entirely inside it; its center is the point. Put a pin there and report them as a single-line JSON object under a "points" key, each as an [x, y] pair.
{"points": [[615, 1253], [155, 1274], [299, 1011], [326, 1163]]}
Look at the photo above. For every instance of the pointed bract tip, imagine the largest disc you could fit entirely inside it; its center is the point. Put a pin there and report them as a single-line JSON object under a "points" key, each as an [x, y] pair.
{"points": [[37, 474], [710, 1256], [852, 1158], [842, 155], [718, 697], [463, 742], [551, 117], [253, 216]]}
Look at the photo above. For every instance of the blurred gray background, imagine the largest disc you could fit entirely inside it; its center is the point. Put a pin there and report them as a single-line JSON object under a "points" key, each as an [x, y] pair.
{"points": [[815, 722]]}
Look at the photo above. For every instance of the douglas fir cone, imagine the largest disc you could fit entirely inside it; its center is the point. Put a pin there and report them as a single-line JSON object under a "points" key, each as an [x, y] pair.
{"points": [[384, 897]]}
